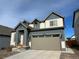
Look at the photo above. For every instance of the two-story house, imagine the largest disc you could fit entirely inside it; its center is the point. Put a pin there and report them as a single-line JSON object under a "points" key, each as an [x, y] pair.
{"points": [[43, 35], [76, 24]]}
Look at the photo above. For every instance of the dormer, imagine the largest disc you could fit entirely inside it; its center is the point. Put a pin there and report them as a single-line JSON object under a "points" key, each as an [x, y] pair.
{"points": [[25, 22], [36, 24]]}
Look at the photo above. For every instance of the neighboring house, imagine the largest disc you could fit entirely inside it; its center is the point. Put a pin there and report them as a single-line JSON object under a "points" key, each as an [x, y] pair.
{"points": [[73, 37], [76, 24], [68, 38], [43, 35], [5, 35]]}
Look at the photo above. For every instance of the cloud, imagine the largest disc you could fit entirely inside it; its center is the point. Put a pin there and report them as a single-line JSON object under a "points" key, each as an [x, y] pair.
{"points": [[12, 11]]}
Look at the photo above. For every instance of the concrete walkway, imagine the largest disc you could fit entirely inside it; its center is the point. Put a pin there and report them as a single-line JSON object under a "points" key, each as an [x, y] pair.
{"points": [[36, 54], [68, 50]]}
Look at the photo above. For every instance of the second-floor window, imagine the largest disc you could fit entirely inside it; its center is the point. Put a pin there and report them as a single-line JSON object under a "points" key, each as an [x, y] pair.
{"points": [[36, 26], [53, 23]]}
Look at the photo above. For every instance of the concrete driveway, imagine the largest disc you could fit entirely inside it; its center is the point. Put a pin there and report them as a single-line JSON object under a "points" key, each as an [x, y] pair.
{"points": [[36, 54]]}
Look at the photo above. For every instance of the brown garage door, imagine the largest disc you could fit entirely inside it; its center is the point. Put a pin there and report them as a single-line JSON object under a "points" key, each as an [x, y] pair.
{"points": [[46, 42]]}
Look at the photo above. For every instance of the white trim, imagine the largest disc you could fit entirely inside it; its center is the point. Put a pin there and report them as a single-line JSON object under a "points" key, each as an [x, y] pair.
{"points": [[12, 42], [63, 45], [21, 39]]}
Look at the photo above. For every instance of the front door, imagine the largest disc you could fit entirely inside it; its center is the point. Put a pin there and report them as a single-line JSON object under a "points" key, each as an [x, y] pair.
{"points": [[21, 38]]}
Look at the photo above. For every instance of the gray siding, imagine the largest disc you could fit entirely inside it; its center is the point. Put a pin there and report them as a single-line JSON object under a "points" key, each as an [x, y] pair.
{"points": [[49, 32], [25, 34], [4, 42], [37, 26], [53, 17]]}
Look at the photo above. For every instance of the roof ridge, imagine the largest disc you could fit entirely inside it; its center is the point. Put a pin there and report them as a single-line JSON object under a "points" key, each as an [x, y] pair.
{"points": [[6, 27]]}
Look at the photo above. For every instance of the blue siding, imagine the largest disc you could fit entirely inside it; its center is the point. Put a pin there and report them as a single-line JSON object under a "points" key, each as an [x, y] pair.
{"points": [[49, 32]]}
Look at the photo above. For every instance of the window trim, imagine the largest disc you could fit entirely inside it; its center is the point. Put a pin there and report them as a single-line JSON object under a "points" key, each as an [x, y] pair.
{"points": [[36, 26], [53, 23]]}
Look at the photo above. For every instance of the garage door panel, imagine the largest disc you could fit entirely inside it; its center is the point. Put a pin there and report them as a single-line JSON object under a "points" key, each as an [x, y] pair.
{"points": [[46, 43]]}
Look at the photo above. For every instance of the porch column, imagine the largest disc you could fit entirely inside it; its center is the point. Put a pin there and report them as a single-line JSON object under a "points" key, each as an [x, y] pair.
{"points": [[12, 42], [16, 38], [26, 43]]}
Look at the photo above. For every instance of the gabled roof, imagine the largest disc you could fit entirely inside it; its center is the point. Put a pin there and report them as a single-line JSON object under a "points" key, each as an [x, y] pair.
{"points": [[54, 14], [73, 36], [35, 21], [25, 22], [21, 23], [74, 17], [5, 30]]}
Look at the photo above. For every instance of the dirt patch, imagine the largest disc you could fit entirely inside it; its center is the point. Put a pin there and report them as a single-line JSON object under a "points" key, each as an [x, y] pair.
{"points": [[69, 55], [5, 53]]}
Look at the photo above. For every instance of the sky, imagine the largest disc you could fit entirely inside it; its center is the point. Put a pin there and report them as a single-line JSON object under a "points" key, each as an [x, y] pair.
{"points": [[14, 11]]}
